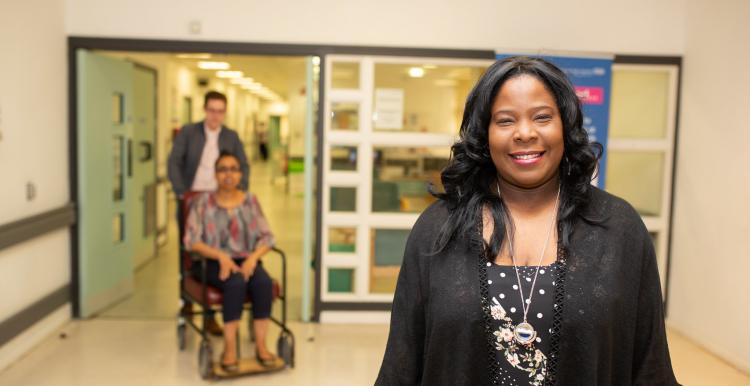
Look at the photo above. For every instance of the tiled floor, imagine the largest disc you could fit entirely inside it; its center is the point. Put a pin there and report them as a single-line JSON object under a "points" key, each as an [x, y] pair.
{"points": [[134, 342]]}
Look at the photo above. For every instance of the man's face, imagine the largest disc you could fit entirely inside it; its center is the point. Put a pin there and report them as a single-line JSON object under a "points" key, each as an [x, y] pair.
{"points": [[215, 110]]}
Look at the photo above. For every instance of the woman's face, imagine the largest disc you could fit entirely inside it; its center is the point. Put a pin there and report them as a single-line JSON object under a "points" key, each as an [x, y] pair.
{"points": [[525, 133], [228, 173]]}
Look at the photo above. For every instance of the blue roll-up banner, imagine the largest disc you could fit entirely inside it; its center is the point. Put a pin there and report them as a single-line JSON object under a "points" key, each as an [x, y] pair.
{"points": [[592, 79]]}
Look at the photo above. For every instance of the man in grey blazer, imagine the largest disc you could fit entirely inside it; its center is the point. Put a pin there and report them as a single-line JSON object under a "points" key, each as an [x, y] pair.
{"points": [[198, 145], [194, 153]]}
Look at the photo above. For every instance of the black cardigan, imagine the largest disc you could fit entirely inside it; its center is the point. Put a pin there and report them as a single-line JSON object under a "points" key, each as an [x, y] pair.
{"points": [[608, 328]]}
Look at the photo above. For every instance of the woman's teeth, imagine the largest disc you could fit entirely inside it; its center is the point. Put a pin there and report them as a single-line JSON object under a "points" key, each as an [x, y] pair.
{"points": [[526, 156]]}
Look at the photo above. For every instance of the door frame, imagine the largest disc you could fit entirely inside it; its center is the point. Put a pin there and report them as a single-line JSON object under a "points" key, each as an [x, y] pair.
{"points": [[219, 47], [154, 147]]}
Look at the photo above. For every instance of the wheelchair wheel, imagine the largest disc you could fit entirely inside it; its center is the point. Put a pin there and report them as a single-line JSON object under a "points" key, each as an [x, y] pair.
{"points": [[205, 360], [181, 336], [285, 348]]}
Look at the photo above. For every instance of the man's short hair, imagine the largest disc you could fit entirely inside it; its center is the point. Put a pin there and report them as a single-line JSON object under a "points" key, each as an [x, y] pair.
{"points": [[214, 95]]}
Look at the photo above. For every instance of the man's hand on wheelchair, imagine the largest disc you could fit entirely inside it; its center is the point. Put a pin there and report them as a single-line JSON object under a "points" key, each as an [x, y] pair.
{"points": [[227, 266]]}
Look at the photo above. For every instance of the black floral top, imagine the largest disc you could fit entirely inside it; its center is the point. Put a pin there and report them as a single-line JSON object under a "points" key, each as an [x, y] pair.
{"points": [[521, 364]]}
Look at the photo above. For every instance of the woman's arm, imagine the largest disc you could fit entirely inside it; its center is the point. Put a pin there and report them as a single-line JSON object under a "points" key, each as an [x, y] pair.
{"points": [[248, 266], [651, 362], [264, 242], [402, 363]]}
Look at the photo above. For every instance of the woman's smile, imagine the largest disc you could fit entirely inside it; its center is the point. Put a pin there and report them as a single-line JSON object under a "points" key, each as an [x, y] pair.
{"points": [[527, 158]]}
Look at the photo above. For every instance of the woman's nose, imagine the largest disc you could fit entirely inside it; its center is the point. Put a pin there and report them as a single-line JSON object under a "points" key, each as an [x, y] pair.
{"points": [[525, 131]]}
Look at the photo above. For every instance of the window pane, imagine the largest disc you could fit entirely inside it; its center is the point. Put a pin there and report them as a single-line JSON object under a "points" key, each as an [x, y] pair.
{"points": [[118, 172], [345, 75], [401, 177], [388, 251], [341, 280], [344, 158], [344, 116], [637, 177], [117, 108], [342, 240], [421, 97], [343, 199], [639, 104], [118, 228]]}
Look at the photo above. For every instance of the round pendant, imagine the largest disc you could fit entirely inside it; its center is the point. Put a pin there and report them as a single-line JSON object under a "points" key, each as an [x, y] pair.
{"points": [[524, 333]]}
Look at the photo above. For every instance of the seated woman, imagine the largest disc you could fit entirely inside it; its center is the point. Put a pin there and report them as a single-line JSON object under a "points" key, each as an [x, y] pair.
{"points": [[229, 229]]}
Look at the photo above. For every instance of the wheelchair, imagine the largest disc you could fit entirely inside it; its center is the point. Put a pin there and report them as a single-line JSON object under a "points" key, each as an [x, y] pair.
{"points": [[195, 290]]}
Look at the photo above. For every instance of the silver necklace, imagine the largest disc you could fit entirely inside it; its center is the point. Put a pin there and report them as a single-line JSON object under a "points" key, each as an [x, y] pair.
{"points": [[524, 332]]}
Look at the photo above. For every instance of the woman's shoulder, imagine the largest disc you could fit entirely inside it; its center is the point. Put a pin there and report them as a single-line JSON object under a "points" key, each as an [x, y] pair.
{"points": [[617, 213], [200, 199], [434, 216]]}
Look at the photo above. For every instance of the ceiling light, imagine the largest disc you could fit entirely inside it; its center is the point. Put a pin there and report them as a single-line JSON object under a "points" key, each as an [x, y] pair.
{"points": [[213, 65], [229, 74], [193, 56], [316, 60], [416, 72], [242, 81]]}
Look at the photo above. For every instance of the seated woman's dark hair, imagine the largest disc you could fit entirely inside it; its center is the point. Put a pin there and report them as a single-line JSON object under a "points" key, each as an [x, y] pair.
{"points": [[223, 155], [468, 177]]}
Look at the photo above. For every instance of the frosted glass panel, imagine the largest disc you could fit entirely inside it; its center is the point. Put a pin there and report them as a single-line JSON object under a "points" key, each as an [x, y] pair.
{"points": [[639, 104], [402, 175], [638, 178], [341, 280], [343, 199], [345, 75], [387, 251], [342, 239], [344, 158], [344, 116], [421, 97]]}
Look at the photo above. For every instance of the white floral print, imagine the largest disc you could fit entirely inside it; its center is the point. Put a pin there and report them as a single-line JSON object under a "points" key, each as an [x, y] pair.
{"points": [[521, 356]]}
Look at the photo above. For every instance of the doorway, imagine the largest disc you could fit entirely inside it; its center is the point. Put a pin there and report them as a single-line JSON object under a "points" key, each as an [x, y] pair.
{"points": [[269, 102]]}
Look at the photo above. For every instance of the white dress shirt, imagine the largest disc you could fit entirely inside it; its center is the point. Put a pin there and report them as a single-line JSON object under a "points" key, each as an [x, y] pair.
{"points": [[205, 176]]}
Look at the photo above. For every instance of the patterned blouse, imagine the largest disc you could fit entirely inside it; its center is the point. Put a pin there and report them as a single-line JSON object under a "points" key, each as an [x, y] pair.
{"points": [[237, 231]]}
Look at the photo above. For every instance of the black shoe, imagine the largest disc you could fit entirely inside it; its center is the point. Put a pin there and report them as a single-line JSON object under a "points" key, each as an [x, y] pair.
{"points": [[213, 327]]}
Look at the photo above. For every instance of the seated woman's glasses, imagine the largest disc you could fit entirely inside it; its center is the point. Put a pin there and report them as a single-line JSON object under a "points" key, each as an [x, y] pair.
{"points": [[224, 169]]}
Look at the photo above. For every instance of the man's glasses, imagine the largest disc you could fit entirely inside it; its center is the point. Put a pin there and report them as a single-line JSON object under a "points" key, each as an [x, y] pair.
{"points": [[216, 111], [224, 169]]}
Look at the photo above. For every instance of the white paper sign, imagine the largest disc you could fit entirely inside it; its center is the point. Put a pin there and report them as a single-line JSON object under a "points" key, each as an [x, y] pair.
{"points": [[389, 108]]}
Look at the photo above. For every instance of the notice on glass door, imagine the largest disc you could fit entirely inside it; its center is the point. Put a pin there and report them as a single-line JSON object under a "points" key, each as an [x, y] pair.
{"points": [[389, 108]]}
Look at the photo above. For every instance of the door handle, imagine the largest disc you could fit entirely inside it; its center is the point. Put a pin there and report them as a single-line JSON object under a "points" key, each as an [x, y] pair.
{"points": [[146, 153]]}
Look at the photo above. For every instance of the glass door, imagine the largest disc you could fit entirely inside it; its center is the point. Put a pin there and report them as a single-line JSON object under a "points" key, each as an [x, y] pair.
{"points": [[641, 144], [105, 90], [390, 122]]}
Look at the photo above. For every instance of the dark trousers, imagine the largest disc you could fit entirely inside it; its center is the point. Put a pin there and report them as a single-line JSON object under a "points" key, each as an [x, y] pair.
{"points": [[235, 288]]}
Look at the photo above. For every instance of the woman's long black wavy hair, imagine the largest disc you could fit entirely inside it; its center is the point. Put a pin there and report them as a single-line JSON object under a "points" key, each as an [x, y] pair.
{"points": [[468, 178]]}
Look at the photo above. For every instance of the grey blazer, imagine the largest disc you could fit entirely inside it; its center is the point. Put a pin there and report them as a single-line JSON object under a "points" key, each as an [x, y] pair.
{"points": [[188, 148]]}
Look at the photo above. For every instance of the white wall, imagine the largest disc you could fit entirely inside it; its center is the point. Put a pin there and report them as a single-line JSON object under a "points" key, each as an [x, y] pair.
{"points": [[33, 89], [590, 25], [33, 148], [709, 289]]}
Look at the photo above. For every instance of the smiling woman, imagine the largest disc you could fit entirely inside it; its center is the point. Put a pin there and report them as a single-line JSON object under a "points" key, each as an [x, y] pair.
{"points": [[527, 272]]}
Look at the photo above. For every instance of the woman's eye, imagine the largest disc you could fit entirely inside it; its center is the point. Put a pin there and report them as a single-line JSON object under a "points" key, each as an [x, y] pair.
{"points": [[504, 122], [543, 118]]}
